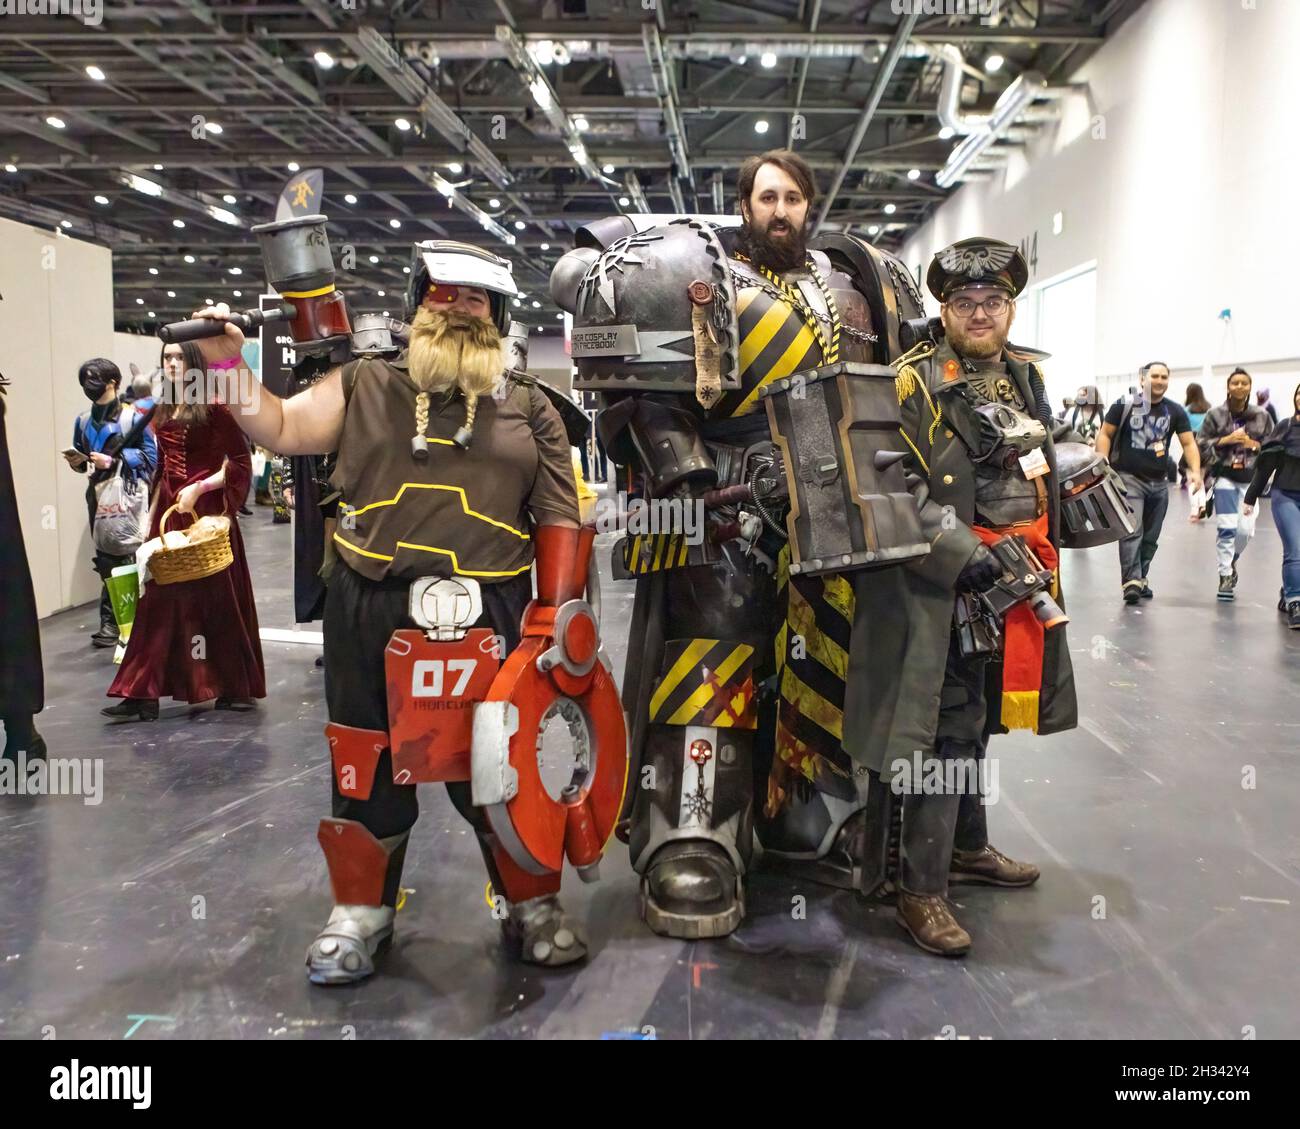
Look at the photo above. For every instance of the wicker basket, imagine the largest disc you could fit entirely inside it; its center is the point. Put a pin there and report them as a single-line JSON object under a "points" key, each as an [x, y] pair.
{"points": [[194, 561]]}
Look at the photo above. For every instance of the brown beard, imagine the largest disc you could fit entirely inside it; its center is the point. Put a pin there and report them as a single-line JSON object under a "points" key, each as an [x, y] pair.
{"points": [[779, 254], [449, 350], [985, 350]]}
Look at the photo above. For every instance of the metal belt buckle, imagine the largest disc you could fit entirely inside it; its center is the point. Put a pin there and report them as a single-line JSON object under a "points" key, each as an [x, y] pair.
{"points": [[445, 607]]}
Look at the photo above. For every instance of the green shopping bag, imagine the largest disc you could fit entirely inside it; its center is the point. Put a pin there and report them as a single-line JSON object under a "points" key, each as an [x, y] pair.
{"points": [[124, 590]]}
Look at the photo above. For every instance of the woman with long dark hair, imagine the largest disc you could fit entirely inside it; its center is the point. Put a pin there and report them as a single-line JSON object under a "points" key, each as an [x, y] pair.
{"points": [[1230, 439], [1279, 460], [1198, 407], [198, 639]]}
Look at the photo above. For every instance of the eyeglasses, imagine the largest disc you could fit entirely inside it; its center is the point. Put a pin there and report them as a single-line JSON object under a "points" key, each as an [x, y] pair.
{"points": [[994, 306]]}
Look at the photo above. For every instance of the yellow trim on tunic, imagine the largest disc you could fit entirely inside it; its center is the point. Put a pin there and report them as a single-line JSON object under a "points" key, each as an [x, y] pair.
{"points": [[464, 505], [455, 560]]}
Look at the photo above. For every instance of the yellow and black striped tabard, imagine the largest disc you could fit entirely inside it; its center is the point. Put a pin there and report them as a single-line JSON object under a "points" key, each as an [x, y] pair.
{"points": [[778, 337], [706, 682]]}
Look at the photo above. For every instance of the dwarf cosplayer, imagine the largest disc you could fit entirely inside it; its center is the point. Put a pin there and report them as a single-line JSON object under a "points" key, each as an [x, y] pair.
{"points": [[455, 481]]}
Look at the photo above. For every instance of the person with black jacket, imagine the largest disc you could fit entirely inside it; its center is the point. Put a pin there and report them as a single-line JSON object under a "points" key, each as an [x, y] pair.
{"points": [[1279, 460], [22, 677], [109, 435]]}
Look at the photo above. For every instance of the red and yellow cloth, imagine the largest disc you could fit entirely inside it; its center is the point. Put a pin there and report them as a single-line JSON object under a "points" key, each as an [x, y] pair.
{"points": [[1023, 634]]}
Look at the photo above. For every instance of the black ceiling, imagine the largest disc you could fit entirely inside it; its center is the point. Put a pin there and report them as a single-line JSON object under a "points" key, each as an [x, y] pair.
{"points": [[670, 93]]}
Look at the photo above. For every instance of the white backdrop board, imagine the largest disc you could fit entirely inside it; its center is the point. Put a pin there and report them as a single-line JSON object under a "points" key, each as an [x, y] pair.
{"points": [[56, 311]]}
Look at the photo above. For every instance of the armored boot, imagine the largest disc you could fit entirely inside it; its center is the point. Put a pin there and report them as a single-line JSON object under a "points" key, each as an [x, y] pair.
{"points": [[928, 825], [545, 934], [816, 833], [692, 830], [364, 874]]}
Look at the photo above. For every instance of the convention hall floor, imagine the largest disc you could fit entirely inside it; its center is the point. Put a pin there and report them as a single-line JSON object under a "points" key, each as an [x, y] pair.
{"points": [[1142, 806]]}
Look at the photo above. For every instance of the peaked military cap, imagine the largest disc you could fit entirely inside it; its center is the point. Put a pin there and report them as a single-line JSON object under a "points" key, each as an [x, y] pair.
{"points": [[977, 262]]}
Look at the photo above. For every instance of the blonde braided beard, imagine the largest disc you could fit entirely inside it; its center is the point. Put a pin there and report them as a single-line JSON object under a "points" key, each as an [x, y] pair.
{"points": [[450, 350]]}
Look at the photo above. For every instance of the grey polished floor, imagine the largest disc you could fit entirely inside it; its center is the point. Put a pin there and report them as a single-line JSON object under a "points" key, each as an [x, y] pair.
{"points": [[1168, 908]]}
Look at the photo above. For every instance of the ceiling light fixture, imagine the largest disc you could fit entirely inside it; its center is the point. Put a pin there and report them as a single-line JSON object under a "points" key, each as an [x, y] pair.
{"points": [[890, 209], [349, 199], [324, 60], [144, 184], [768, 59], [95, 73], [494, 203], [394, 224], [402, 124], [153, 270], [608, 170], [214, 127], [101, 199], [293, 166], [993, 63], [581, 124], [189, 258], [913, 174], [455, 168], [760, 126], [178, 223], [56, 122]]}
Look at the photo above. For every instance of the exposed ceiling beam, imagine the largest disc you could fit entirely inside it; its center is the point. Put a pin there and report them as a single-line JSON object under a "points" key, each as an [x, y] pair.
{"points": [[884, 73], [24, 88]]}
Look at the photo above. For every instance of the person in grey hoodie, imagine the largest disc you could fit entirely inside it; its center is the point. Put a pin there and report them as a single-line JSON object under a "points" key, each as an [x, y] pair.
{"points": [[1230, 439]]}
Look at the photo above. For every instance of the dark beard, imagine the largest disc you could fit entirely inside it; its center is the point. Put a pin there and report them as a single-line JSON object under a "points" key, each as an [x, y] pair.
{"points": [[786, 253]]}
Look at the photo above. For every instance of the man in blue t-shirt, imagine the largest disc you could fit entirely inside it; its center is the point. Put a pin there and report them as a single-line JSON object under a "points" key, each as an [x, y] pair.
{"points": [[1136, 436]]}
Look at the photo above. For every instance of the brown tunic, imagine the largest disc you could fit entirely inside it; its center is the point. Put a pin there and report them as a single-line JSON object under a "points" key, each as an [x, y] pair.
{"points": [[464, 512]]}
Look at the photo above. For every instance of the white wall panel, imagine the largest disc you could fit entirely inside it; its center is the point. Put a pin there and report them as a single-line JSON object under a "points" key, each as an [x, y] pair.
{"points": [[57, 311], [1176, 174]]}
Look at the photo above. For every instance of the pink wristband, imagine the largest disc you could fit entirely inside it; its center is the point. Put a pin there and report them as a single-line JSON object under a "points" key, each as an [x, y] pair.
{"points": [[229, 362]]}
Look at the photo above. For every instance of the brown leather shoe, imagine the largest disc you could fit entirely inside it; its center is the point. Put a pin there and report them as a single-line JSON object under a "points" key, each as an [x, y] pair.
{"points": [[990, 867], [931, 923]]}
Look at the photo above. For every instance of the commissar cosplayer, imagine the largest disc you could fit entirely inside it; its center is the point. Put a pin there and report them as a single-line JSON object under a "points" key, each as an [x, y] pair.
{"points": [[456, 480]]}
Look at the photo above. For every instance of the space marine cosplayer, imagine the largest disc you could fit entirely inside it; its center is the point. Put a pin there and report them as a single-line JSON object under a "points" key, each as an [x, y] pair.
{"points": [[697, 335], [981, 646], [455, 479]]}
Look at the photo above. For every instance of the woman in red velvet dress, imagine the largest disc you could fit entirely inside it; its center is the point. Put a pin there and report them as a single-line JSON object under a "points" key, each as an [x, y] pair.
{"points": [[196, 640]]}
